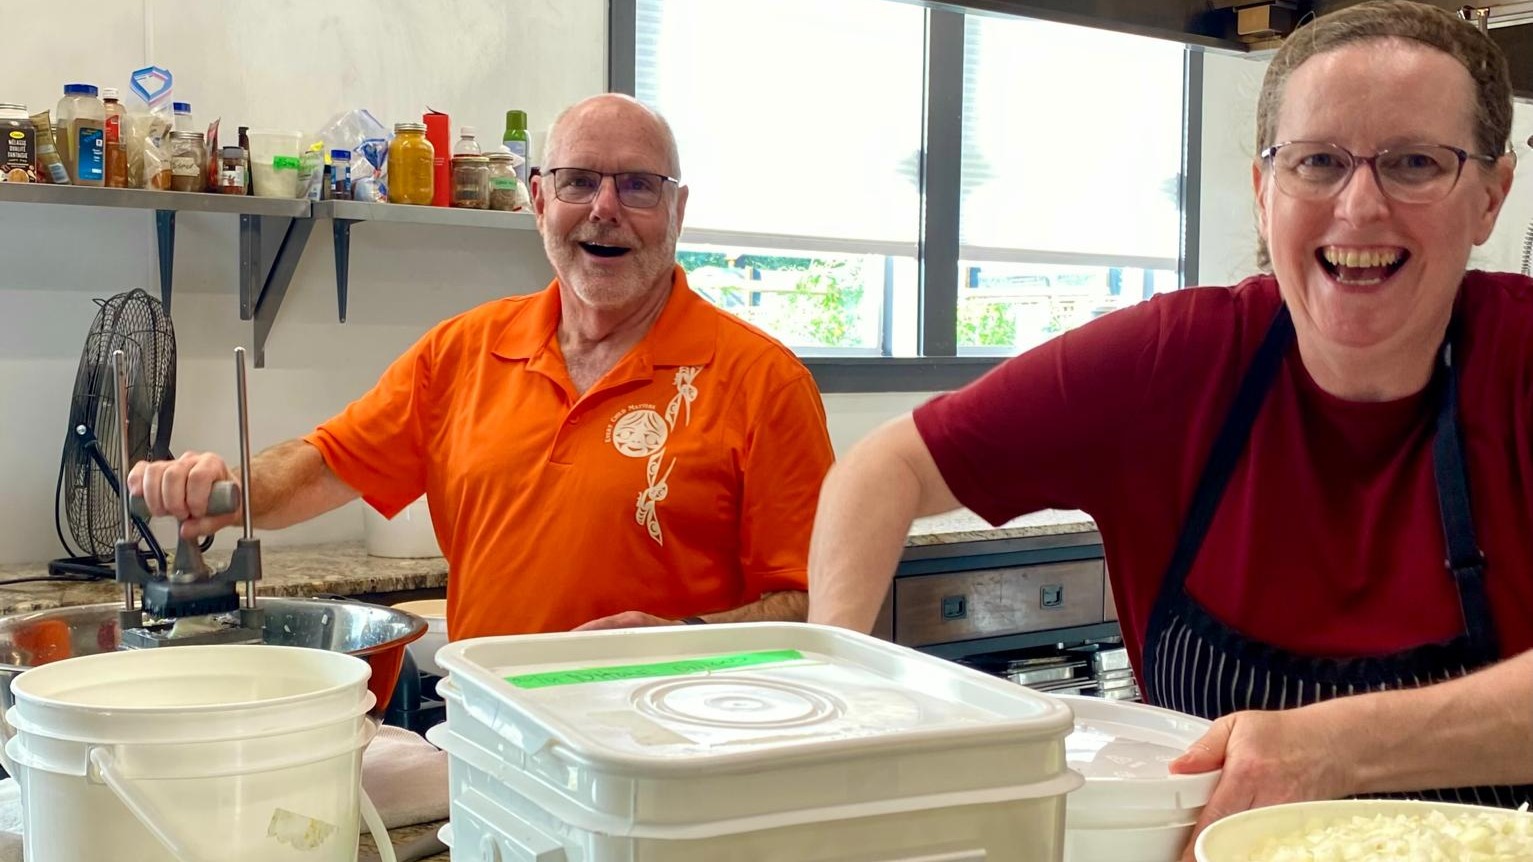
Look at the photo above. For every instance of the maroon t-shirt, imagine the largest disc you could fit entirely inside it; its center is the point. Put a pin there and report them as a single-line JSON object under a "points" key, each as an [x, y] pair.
{"points": [[1328, 539]]}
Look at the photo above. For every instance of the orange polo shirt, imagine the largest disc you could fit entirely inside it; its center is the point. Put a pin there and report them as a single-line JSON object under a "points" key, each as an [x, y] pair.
{"points": [[683, 482]]}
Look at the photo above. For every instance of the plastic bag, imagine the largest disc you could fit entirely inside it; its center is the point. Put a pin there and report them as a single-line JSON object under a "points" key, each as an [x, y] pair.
{"points": [[147, 128]]}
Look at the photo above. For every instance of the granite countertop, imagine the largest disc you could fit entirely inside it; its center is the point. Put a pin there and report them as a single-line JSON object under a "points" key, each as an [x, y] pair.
{"points": [[346, 569]]}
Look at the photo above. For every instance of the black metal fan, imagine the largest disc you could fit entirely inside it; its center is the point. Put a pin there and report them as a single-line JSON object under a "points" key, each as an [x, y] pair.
{"points": [[88, 489]]}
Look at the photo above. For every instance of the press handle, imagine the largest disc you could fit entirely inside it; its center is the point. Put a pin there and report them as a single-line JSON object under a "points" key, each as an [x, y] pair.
{"points": [[224, 499]]}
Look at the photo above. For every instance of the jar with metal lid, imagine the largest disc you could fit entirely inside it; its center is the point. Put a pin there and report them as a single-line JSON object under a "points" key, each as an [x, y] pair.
{"points": [[502, 182], [18, 145], [411, 165], [471, 182], [232, 169], [188, 162]]}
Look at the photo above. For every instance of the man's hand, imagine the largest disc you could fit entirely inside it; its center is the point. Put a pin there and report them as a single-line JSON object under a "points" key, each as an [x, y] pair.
{"points": [[1268, 758], [181, 488], [627, 620]]}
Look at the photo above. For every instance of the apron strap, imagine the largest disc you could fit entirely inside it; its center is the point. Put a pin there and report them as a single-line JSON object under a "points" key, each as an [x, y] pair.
{"points": [[1465, 560], [1227, 449]]}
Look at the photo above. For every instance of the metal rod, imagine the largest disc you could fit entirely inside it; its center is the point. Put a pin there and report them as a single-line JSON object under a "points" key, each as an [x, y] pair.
{"points": [[244, 415], [120, 372]]}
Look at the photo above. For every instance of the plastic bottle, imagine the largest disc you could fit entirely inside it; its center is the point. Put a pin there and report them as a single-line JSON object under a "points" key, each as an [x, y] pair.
{"points": [[468, 143], [116, 147], [82, 119], [340, 174], [184, 121], [516, 140]]}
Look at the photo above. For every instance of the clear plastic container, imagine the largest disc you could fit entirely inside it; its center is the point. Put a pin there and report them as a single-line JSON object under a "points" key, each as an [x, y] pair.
{"points": [[468, 143], [81, 118], [184, 121], [274, 163]]}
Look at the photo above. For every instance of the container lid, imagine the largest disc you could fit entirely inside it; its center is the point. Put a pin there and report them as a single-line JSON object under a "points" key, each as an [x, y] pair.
{"points": [[499, 157], [1125, 749], [186, 136], [232, 152], [409, 127], [676, 700], [108, 92], [8, 107], [472, 158], [516, 120], [80, 90], [341, 154], [468, 131], [181, 107]]}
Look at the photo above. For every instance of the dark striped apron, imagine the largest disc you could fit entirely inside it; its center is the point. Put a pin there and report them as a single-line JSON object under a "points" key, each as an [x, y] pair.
{"points": [[1196, 664]]}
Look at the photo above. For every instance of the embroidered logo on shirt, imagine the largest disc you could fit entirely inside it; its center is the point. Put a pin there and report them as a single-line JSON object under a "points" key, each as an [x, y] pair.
{"points": [[643, 433]]}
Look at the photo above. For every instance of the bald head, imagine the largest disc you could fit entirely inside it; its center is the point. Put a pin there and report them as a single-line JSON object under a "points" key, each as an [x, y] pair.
{"points": [[620, 110]]}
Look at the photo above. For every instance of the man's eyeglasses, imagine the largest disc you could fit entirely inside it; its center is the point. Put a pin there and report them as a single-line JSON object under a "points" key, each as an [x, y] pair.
{"points": [[635, 189], [1415, 174]]}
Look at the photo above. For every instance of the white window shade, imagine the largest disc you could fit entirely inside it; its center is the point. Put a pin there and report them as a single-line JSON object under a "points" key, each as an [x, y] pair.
{"points": [[794, 117], [1072, 142]]}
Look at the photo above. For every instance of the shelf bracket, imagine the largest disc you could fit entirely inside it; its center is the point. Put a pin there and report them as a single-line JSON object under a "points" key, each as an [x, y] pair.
{"points": [[165, 242], [271, 265], [342, 232]]}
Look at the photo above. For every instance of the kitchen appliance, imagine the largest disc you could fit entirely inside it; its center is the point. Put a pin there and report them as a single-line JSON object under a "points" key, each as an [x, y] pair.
{"points": [[87, 499], [191, 602]]}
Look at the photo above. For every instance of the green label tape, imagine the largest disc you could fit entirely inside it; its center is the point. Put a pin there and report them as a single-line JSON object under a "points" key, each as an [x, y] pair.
{"points": [[279, 163], [616, 673]]}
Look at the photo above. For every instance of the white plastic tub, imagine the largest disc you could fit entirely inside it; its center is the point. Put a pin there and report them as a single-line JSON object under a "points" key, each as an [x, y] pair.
{"points": [[194, 754], [423, 651], [759, 741], [1131, 808]]}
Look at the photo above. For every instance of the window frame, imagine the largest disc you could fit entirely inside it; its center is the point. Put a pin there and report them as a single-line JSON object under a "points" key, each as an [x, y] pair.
{"points": [[939, 367]]}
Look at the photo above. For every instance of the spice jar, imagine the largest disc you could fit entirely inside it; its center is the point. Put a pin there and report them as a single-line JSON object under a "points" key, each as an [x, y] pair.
{"points": [[231, 171], [502, 182], [188, 162], [411, 165], [18, 145], [471, 182]]}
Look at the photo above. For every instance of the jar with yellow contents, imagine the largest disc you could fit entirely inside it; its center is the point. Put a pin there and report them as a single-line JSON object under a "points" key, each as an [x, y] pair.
{"points": [[411, 165]]}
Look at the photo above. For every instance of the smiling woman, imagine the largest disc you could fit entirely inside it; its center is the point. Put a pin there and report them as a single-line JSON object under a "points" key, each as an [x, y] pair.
{"points": [[1326, 437]]}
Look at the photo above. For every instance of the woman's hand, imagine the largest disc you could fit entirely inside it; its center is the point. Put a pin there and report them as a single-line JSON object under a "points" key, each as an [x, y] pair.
{"points": [[1295, 755]]}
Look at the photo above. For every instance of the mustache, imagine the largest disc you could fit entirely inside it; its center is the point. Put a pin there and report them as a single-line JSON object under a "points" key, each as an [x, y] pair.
{"points": [[606, 236]]}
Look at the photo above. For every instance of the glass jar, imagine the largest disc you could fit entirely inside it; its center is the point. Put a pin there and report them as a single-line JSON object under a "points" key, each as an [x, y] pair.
{"points": [[231, 171], [411, 165], [502, 182], [188, 162], [471, 182]]}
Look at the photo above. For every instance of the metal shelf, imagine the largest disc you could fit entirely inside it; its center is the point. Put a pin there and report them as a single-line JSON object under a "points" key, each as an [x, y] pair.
{"points": [[143, 199], [344, 214], [273, 234]]}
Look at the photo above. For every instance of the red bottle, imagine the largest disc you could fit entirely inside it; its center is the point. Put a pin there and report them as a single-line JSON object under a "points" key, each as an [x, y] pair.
{"points": [[438, 132]]}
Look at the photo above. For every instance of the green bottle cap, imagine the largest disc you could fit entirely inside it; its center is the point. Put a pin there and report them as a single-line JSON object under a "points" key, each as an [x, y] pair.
{"points": [[516, 120]]}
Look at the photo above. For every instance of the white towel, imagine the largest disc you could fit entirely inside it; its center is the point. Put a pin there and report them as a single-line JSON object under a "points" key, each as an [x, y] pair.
{"points": [[405, 776]]}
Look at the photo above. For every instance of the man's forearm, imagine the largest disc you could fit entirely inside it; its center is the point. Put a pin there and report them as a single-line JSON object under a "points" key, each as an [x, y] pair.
{"points": [[290, 483], [787, 606], [1477, 730]]}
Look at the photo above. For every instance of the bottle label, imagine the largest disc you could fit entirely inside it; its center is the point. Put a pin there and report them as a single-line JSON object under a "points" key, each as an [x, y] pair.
{"points": [[92, 154], [113, 129], [520, 148], [18, 153], [183, 166]]}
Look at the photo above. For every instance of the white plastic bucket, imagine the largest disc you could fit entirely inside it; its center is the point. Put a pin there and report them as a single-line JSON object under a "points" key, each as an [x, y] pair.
{"points": [[274, 163], [434, 612], [1238, 836], [192, 754], [1131, 808], [408, 535]]}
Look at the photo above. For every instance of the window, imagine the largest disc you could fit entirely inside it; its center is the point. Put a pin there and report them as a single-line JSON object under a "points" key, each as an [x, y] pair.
{"points": [[799, 123], [1070, 194], [802, 123]]}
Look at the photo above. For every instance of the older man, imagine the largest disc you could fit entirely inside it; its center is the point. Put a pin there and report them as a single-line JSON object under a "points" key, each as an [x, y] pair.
{"points": [[611, 451]]}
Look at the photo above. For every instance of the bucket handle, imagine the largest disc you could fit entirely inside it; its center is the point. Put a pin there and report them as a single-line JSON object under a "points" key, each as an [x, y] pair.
{"points": [[149, 815]]}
